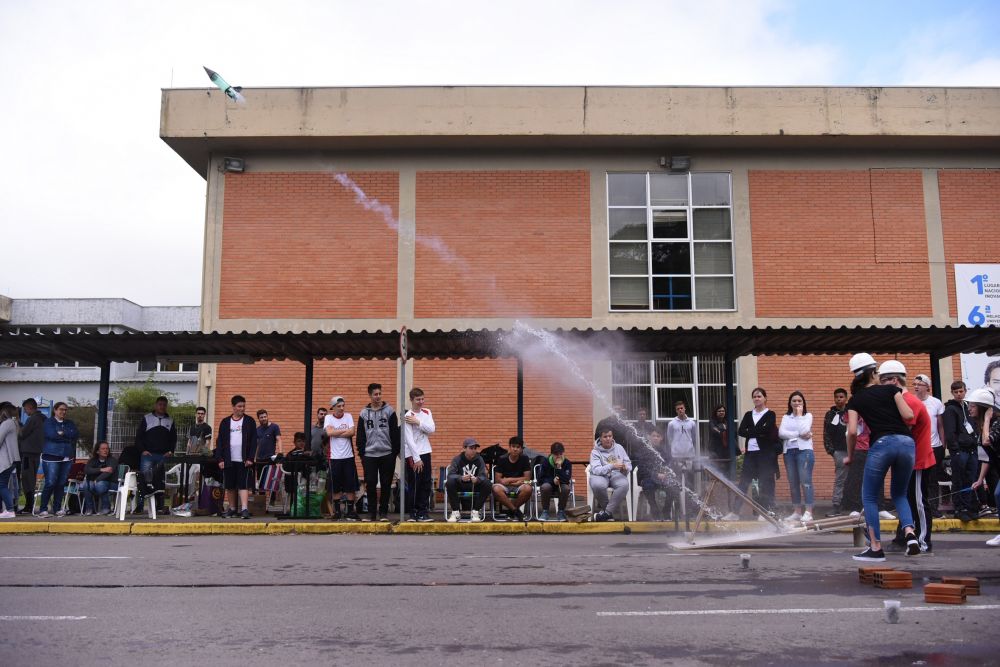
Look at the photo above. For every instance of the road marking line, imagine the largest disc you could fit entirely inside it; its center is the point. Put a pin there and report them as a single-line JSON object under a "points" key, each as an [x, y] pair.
{"points": [[42, 618], [65, 557], [843, 610]]}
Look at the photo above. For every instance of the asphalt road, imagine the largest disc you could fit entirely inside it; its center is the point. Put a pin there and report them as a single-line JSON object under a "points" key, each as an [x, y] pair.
{"points": [[467, 599]]}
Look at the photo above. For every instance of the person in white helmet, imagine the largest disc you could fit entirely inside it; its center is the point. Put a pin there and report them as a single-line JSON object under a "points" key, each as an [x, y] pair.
{"points": [[885, 412], [986, 423]]}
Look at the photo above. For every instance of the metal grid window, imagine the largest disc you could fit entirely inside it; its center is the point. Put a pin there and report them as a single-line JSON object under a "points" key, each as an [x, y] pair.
{"points": [[670, 241], [657, 384]]}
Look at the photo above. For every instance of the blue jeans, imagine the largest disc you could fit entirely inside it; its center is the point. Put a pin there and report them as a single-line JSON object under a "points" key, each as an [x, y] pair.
{"points": [[5, 494], [147, 464], [94, 490], [890, 452], [56, 474], [799, 468]]}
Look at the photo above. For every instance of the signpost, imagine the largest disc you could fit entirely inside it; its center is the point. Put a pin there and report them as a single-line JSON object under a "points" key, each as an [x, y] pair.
{"points": [[401, 369]]}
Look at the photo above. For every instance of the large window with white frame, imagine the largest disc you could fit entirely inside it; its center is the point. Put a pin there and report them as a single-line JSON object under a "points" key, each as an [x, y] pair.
{"points": [[670, 242], [167, 367], [657, 384]]}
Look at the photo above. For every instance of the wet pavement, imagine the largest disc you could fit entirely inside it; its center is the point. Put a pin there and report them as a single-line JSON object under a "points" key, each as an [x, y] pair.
{"points": [[456, 599]]}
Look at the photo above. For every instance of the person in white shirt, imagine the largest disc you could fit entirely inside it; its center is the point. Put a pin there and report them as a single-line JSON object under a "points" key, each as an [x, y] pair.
{"points": [[795, 432], [343, 478], [935, 410], [418, 424]]}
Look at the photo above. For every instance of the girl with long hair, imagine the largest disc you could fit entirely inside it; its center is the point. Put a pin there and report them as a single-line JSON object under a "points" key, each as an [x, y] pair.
{"points": [[796, 435]]}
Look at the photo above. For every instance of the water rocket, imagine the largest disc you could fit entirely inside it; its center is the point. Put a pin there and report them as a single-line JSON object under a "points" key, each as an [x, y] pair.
{"points": [[231, 92]]}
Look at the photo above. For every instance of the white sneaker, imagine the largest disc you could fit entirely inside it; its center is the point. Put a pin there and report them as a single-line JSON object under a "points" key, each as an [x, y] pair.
{"points": [[855, 515], [885, 515], [995, 542], [475, 518], [61, 513], [732, 516], [454, 516], [7, 515], [807, 516], [795, 516]]}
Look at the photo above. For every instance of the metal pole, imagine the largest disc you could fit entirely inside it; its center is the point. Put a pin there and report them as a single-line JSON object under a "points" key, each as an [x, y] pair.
{"points": [[102, 402], [401, 369], [308, 398], [936, 375], [729, 380], [520, 398]]}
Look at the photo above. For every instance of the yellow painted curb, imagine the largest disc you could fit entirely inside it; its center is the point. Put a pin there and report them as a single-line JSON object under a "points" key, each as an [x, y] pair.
{"points": [[289, 527], [81, 528], [23, 527], [153, 528]]}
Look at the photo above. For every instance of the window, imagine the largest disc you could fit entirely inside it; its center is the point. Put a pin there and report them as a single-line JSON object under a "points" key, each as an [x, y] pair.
{"points": [[48, 364], [657, 384], [670, 242], [167, 367]]}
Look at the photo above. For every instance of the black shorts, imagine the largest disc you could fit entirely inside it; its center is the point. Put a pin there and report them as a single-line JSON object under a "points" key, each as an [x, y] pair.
{"points": [[237, 476], [343, 476]]}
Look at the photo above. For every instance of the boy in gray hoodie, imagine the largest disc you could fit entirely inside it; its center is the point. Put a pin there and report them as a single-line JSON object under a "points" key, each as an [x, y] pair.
{"points": [[609, 468], [378, 442]]}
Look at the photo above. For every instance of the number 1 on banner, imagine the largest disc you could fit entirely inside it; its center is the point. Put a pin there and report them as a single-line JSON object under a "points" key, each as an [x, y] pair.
{"points": [[979, 282]]}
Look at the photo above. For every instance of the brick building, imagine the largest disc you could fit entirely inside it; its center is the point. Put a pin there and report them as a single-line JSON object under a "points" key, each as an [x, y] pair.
{"points": [[471, 207]]}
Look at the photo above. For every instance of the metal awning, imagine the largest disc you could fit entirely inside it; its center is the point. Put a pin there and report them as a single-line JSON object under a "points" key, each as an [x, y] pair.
{"points": [[63, 344]]}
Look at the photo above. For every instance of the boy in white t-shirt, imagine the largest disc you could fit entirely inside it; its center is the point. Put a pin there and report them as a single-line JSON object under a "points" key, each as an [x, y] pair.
{"points": [[343, 478]]}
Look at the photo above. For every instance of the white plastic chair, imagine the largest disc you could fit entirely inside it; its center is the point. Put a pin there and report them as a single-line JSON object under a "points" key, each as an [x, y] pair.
{"points": [[127, 484]]}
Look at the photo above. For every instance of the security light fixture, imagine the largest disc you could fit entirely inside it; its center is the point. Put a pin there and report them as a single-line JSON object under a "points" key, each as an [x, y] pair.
{"points": [[676, 162], [234, 165]]}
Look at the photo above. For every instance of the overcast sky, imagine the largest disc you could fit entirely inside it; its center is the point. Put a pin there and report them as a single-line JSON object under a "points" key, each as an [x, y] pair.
{"points": [[95, 205]]}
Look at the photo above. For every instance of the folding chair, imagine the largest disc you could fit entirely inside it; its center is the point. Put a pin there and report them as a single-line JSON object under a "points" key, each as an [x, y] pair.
{"points": [[462, 495]]}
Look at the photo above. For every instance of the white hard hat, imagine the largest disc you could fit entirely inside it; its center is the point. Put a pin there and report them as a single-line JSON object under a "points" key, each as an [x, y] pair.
{"points": [[981, 396], [891, 367], [861, 361]]}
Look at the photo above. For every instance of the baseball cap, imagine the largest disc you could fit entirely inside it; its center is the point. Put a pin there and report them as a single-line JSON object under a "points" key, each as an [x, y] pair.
{"points": [[469, 442], [923, 378], [337, 399]]}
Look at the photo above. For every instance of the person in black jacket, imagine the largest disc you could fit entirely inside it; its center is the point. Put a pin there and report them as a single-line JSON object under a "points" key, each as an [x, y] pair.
{"points": [[156, 437], [236, 451], [963, 446], [760, 428], [835, 444], [30, 442], [554, 478]]}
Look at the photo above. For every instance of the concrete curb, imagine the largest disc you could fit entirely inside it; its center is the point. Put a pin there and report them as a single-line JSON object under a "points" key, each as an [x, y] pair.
{"points": [[436, 528]]}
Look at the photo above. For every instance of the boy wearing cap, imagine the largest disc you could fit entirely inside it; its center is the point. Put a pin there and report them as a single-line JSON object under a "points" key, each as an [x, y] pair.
{"points": [[343, 479], [467, 471]]}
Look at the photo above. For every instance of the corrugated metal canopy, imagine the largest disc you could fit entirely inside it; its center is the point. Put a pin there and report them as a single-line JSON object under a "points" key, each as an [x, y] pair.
{"points": [[98, 346]]}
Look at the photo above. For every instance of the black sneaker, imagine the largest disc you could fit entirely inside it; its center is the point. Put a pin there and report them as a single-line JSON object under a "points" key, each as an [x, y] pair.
{"points": [[836, 511], [424, 518], [964, 517], [230, 514], [412, 518], [912, 545], [245, 514], [383, 517], [518, 515], [371, 517], [352, 515], [603, 516], [870, 555], [336, 516]]}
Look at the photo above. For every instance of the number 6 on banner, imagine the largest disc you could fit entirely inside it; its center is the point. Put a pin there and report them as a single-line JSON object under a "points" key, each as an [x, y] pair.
{"points": [[976, 317]]}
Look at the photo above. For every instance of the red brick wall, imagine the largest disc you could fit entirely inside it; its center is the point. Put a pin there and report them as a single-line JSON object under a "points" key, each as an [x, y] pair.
{"points": [[816, 377], [521, 241], [298, 245], [278, 387], [970, 217], [478, 398], [819, 234]]}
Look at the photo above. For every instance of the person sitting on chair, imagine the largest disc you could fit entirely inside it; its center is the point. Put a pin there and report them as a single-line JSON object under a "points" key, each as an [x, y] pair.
{"points": [[100, 473], [609, 469], [513, 473], [554, 477], [654, 477], [467, 472]]}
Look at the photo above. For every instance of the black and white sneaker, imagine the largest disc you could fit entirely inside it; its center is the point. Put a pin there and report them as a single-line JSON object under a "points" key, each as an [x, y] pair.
{"points": [[424, 518], [870, 555], [912, 545], [603, 516]]}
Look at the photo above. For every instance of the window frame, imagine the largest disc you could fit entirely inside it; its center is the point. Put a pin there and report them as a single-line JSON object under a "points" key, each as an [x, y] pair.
{"points": [[649, 276]]}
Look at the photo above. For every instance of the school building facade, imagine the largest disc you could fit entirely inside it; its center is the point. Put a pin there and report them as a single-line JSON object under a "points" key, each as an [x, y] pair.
{"points": [[359, 209]]}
